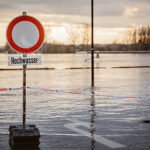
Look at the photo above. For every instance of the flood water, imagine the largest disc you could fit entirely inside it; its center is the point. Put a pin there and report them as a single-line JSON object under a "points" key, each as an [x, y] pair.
{"points": [[71, 118]]}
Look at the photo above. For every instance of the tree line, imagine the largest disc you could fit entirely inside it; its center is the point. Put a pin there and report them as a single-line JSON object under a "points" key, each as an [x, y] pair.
{"points": [[136, 39]]}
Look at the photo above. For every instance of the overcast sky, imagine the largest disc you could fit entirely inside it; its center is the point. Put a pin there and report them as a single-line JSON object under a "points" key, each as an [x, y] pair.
{"points": [[110, 15]]}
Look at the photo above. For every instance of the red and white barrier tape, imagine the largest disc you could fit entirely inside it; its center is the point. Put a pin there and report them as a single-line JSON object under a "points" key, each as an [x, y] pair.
{"points": [[89, 94], [10, 89], [76, 93]]}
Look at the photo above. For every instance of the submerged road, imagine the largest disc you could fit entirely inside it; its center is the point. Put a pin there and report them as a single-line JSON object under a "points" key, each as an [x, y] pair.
{"points": [[77, 136], [84, 134], [118, 120]]}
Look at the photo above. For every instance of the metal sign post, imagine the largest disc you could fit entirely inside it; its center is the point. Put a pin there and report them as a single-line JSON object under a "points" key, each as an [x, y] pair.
{"points": [[24, 87], [25, 34], [92, 43], [24, 92]]}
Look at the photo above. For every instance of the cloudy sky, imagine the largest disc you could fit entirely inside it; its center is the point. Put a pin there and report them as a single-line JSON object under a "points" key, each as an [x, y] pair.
{"points": [[112, 17]]}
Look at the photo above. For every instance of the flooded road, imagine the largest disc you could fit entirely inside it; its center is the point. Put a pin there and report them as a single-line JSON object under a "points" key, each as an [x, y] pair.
{"points": [[72, 116]]}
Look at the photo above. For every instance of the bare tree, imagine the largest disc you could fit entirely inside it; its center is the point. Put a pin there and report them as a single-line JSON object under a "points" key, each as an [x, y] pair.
{"points": [[148, 35], [85, 34], [129, 36], [139, 38], [48, 37], [143, 34], [73, 35]]}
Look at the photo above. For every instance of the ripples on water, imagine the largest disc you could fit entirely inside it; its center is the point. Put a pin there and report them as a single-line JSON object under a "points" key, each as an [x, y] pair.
{"points": [[50, 110]]}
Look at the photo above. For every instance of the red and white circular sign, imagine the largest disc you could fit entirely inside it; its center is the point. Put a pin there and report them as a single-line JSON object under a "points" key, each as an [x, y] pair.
{"points": [[25, 34]]}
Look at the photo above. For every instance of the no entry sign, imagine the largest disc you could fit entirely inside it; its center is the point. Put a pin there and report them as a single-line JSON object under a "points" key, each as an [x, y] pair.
{"points": [[25, 34]]}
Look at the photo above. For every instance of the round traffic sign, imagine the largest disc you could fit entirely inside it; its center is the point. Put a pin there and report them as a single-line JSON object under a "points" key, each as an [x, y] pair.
{"points": [[25, 34]]}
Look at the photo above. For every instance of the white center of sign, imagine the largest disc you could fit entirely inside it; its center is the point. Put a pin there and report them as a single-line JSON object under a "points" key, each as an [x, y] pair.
{"points": [[25, 34]]}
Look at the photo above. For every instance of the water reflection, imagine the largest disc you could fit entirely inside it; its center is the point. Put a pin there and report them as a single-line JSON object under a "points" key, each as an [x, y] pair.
{"points": [[24, 147], [92, 120]]}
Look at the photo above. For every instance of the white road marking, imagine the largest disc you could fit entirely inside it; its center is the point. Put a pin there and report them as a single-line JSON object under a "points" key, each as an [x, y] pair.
{"points": [[60, 134], [98, 138]]}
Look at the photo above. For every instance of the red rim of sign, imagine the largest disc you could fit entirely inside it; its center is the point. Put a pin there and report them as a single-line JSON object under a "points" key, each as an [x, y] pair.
{"points": [[14, 45]]}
